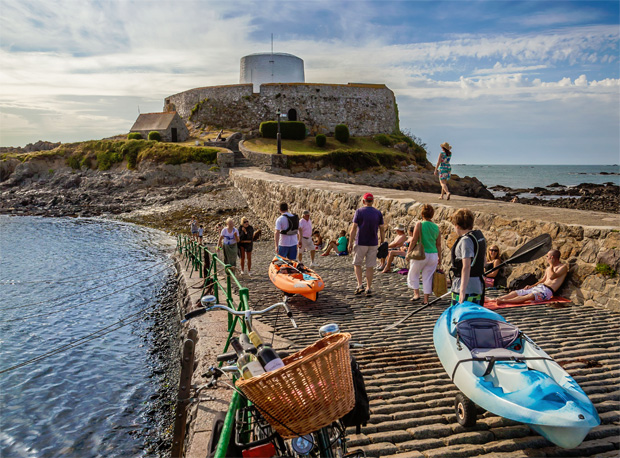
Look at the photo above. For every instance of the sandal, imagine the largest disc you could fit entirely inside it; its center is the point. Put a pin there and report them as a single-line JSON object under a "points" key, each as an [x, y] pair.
{"points": [[415, 299], [368, 293], [448, 196], [359, 290]]}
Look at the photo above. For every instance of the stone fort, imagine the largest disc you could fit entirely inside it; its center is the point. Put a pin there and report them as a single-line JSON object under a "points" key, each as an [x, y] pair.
{"points": [[275, 82]]}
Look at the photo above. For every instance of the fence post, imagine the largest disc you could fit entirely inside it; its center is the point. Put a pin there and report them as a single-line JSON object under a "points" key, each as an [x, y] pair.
{"points": [[185, 384]]}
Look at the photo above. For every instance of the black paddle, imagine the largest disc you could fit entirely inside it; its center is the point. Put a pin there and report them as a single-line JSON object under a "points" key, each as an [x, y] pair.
{"points": [[530, 251]]}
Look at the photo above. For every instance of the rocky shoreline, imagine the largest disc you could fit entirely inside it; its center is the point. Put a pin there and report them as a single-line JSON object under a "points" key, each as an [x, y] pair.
{"points": [[585, 196]]}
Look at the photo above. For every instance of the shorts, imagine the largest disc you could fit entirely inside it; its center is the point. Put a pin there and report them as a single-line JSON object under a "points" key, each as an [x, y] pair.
{"points": [[288, 252], [306, 244], [365, 255], [247, 247], [474, 298], [540, 292]]}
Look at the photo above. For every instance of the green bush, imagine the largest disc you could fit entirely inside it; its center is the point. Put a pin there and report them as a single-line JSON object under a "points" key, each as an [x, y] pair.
{"points": [[86, 162], [134, 136], [341, 132], [606, 270], [73, 162], [320, 140], [353, 161], [154, 135], [130, 151], [290, 130], [382, 139]]}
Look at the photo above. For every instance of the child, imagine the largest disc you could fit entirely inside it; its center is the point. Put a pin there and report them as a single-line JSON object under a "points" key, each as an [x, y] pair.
{"points": [[317, 240], [200, 234], [339, 246]]}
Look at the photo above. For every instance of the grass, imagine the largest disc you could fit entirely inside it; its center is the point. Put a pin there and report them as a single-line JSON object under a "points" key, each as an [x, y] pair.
{"points": [[102, 154], [308, 146]]}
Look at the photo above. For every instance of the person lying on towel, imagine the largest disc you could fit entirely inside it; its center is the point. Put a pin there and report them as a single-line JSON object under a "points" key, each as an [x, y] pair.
{"points": [[545, 288]]}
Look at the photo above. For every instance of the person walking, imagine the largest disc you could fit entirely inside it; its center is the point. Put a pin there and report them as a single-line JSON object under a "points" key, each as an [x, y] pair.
{"points": [[246, 244], [363, 241], [287, 233], [468, 256], [229, 237], [305, 237], [193, 227], [444, 169], [427, 233]]}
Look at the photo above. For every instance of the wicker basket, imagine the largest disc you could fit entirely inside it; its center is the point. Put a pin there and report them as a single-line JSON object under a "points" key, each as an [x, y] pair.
{"points": [[312, 390]]}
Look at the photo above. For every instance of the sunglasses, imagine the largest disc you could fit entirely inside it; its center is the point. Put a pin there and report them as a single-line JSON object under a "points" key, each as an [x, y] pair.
{"points": [[493, 249]]}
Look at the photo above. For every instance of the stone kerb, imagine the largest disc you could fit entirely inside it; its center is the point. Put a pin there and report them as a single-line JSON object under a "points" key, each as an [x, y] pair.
{"points": [[333, 205], [263, 159]]}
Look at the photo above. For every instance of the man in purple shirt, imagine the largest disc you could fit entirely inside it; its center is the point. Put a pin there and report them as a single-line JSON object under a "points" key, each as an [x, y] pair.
{"points": [[363, 242]]}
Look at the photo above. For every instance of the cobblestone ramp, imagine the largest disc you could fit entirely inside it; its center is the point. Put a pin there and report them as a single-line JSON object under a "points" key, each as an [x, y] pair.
{"points": [[411, 396]]}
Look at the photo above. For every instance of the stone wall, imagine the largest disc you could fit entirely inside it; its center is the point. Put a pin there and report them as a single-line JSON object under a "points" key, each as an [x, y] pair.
{"points": [[367, 109], [264, 159], [333, 206]]}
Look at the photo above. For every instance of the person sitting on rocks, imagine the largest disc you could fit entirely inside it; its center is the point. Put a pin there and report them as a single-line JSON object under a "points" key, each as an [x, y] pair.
{"points": [[545, 288], [494, 259], [397, 252], [340, 246], [396, 244]]}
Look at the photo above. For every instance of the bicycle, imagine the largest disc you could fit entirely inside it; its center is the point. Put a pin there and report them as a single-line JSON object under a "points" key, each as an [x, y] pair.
{"points": [[250, 434]]}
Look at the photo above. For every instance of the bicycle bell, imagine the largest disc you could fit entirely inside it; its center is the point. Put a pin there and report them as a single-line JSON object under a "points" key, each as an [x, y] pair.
{"points": [[206, 301], [329, 329]]}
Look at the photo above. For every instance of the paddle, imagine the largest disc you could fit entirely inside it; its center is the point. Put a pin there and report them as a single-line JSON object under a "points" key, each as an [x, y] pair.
{"points": [[288, 263], [530, 251]]}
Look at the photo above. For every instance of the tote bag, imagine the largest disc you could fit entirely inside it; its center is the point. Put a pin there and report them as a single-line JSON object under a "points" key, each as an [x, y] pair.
{"points": [[439, 284]]}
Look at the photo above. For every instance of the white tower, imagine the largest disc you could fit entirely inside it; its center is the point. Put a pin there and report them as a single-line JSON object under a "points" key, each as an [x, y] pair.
{"points": [[271, 68]]}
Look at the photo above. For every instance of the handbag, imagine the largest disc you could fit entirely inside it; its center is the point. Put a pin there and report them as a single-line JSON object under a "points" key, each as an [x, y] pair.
{"points": [[439, 284], [417, 253]]}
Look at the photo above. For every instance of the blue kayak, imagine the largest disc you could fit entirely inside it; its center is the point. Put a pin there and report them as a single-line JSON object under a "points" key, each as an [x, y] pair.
{"points": [[503, 371]]}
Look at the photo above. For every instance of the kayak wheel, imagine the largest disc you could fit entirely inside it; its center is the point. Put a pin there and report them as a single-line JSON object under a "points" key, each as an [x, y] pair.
{"points": [[465, 410]]}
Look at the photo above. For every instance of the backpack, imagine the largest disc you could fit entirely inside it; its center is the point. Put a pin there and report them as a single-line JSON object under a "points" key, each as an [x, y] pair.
{"points": [[293, 225], [360, 414], [522, 281]]}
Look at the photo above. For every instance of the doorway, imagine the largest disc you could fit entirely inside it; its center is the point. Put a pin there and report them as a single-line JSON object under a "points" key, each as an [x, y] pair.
{"points": [[292, 114], [174, 134]]}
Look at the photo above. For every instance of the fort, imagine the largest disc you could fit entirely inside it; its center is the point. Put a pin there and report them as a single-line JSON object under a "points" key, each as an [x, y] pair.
{"points": [[367, 109]]}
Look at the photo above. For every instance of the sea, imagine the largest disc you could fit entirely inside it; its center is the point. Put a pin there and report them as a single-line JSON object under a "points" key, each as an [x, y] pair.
{"points": [[530, 176], [76, 365]]}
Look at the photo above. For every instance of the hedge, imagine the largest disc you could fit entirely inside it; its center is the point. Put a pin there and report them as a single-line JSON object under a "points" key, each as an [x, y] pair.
{"points": [[289, 130], [320, 140], [154, 135], [341, 132], [134, 136]]}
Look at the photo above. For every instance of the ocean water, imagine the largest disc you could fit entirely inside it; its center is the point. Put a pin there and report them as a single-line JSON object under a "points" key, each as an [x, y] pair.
{"points": [[63, 279], [530, 176]]}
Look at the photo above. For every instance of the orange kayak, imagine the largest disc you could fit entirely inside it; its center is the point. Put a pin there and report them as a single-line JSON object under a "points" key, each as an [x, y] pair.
{"points": [[293, 277]]}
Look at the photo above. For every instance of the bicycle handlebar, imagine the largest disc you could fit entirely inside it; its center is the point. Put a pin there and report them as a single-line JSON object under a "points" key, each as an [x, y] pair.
{"points": [[247, 314]]}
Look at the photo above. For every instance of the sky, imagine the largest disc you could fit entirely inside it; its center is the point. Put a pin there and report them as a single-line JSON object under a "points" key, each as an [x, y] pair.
{"points": [[504, 82]]}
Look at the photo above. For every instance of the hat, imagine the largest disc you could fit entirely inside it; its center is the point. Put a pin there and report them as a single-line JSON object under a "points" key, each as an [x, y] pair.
{"points": [[446, 145], [400, 227], [368, 197], [306, 212]]}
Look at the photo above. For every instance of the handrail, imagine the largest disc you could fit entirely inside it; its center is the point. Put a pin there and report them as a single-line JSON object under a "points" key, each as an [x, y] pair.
{"points": [[206, 264]]}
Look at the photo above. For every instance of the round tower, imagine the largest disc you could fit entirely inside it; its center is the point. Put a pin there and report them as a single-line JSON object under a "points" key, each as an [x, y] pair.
{"points": [[264, 68]]}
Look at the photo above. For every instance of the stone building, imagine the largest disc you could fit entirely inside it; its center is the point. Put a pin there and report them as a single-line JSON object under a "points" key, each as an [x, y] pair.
{"points": [[367, 109], [169, 124]]}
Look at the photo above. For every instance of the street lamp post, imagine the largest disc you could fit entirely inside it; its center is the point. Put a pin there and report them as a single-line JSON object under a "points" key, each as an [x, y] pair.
{"points": [[279, 137]]}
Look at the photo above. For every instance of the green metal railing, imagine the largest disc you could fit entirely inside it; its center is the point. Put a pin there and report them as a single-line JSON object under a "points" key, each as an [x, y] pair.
{"points": [[206, 263]]}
